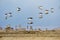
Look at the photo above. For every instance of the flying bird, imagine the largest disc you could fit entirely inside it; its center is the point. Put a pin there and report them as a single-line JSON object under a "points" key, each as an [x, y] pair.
{"points": [[40, 15], [30, 18], [46, 11], [18, 9], [41, 7], [52, 10]]}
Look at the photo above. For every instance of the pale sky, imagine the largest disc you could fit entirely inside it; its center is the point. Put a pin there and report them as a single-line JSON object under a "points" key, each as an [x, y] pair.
{"points": [[29, 8]]}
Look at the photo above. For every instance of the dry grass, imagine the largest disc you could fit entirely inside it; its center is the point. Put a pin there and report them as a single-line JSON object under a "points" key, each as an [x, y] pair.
{"points": [[30, 38]]}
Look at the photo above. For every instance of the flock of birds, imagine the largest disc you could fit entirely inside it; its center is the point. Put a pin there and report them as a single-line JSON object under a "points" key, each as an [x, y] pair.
{"points": [[7, 15], [46, 11], [41, 14]]}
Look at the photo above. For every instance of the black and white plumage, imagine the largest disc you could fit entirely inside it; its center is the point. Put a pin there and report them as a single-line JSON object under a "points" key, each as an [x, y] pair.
{"points": [[18, 9], [30, 22], [41, 7], [8, 15], [30, 18], [52, 10], [46, 11], [40, 15]]}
